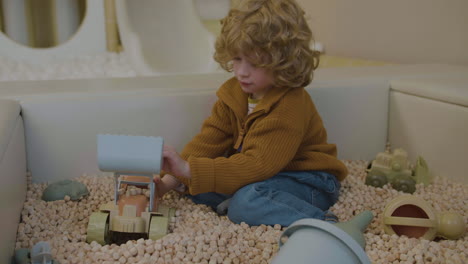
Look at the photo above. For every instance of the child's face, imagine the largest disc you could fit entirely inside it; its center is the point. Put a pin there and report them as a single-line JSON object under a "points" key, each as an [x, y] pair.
{"points": [[253, 80]]}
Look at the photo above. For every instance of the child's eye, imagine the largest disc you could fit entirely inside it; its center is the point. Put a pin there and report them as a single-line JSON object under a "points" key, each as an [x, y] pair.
{"points": [[236, 59]]}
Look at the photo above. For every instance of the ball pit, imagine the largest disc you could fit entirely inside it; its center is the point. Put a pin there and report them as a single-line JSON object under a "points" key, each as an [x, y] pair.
{"points": [[198, 235]]}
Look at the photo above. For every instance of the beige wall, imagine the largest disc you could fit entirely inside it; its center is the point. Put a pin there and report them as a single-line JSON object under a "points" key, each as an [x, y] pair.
{"points": [[402, 31]]}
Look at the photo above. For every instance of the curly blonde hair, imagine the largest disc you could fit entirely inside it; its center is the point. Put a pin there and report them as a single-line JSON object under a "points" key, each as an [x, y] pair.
{"points": [[274, 35]]}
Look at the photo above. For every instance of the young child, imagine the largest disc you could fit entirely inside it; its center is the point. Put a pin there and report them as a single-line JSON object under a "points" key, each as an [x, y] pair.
{"points": [[264, 145]]}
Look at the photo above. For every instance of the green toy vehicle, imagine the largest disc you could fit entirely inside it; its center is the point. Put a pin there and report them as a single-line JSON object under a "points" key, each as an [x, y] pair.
{"points": [[132, 215], [394, 168]]}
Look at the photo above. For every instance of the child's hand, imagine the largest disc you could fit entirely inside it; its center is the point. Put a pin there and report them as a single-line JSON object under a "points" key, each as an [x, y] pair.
{"points": [[174, 163], [165, 184]]}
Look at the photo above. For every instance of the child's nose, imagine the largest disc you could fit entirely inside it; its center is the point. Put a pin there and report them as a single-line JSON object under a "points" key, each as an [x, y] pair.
{"points": [[244, 69]]}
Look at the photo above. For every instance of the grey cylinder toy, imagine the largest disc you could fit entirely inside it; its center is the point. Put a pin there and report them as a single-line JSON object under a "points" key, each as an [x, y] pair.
{"points": [[316, 241]]}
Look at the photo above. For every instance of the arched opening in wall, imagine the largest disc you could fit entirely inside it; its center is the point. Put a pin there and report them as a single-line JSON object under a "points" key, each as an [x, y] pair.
{"points": [[211, 12], [41, 23]]}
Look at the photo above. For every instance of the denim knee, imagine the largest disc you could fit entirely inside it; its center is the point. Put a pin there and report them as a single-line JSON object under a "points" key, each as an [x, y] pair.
{"points": [[242, 206], [284, 198]]}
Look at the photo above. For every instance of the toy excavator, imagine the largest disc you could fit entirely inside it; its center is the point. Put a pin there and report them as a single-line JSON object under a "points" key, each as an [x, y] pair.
{"points": [[134, 160]]}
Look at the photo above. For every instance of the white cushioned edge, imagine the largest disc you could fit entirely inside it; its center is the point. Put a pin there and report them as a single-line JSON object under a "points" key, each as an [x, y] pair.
{"points": [[448, 88], [9, 114], [12, 188]]}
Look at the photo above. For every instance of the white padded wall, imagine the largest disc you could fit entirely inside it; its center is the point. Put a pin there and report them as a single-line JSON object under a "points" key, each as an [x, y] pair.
{"points": [[354, 113], [436, 130], [12, 189], [61, 131]]}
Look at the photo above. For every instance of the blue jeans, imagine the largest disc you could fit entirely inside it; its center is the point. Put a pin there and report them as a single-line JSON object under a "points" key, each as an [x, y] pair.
{"points": [[282, 199]]}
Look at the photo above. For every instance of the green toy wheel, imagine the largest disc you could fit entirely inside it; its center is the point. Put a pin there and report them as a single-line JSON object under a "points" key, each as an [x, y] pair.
{"points": [[98, 228], [158, 227], [159, 224], [404, 184], [376, 180]]}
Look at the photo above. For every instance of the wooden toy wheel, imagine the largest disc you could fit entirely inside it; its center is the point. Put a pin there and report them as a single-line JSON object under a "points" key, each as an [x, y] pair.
{"points": [[159, 224], [158, 227], [376, 180], [404, 184], [98, 228]]}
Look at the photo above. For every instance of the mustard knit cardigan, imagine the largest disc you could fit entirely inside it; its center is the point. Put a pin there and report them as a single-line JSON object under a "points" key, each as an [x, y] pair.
{"points": [[283, 133]]}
